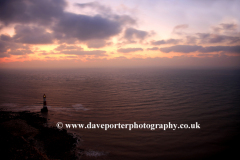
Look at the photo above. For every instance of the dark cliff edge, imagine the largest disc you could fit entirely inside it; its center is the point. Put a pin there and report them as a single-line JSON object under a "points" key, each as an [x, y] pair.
{"points": [[24, 135]]}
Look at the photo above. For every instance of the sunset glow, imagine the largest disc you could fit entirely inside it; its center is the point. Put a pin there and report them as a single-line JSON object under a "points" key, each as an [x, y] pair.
{"points": [[73, 33]]}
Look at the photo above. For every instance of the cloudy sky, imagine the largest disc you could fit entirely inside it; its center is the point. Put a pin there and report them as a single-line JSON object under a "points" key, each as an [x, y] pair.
{"points": [[119, 33]]}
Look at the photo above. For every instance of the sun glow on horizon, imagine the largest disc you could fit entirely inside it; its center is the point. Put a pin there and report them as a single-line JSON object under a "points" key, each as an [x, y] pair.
{"points": [[105, 32]]}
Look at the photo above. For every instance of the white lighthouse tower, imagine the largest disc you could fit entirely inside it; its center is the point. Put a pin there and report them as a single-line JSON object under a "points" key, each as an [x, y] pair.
{"points": [[44, 109]]}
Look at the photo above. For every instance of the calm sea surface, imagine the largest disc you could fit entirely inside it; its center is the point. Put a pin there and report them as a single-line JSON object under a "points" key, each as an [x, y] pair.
{"points": [[152, 96]]}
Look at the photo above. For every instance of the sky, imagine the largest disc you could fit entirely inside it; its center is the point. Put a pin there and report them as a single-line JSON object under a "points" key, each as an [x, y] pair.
{"points": [[119, 33]]}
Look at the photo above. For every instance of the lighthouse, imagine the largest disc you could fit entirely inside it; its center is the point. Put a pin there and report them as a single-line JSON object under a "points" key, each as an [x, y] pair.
{"points": [[44, 109]]}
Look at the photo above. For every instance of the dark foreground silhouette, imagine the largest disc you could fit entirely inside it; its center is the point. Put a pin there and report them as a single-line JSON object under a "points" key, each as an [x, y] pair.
{"points": [[24, 136]]}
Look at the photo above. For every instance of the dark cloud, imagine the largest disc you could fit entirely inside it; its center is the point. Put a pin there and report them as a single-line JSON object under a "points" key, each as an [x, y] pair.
{"points": [[32, 35], [5, 37], [178, 29], [68, 47], [95, 6], [181, 26], [169, 41], [232, 49], [124, 19], [43, 53], [120, 57], [228, 26], [96, 52], [10, 48], [5, 45], [2, 55], [65, 26], [223, 33], [106, 12], [96, 43], [222, 38], [203, 36], [20, 52], [71, 56], [30, 11], [204, 55], [225, 27], [216, 38], [181, 48], [85, 27], [133, 34], [216, 29], [153, 49], [158, 42], [191, 39], [128, 50], [190, 48]]}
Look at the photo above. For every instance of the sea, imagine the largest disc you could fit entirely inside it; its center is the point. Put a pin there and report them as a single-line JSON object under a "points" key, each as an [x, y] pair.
{"points": [[208, 97]]}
